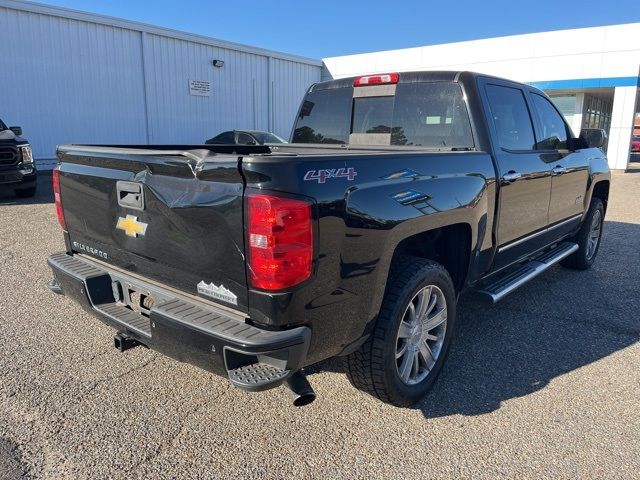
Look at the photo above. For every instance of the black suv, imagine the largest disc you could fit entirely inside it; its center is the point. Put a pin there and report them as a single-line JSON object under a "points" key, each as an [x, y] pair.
{"points": [[17, 168]]}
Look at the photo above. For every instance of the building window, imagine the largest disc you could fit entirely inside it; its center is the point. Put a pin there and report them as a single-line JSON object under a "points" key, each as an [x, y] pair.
{"points": [[597, 112]]}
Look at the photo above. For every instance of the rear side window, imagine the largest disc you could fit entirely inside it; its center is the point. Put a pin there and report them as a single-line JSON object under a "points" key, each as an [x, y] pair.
{"points": [[430, 115], [551, 129], [324, 117], [511, 117]]}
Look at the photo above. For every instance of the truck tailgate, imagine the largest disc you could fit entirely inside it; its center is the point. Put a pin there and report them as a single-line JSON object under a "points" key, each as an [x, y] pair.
{"points": [[171, 216]]}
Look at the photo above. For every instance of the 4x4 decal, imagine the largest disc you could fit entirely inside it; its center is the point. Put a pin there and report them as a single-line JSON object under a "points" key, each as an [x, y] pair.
{"points": [[321, 176]]}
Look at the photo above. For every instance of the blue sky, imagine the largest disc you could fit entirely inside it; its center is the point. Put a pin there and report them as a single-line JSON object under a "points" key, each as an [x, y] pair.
{"points": [[328, 28]]}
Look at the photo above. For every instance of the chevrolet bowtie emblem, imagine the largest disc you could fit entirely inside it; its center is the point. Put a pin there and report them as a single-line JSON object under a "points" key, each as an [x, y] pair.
{"points": [[131, 226]]}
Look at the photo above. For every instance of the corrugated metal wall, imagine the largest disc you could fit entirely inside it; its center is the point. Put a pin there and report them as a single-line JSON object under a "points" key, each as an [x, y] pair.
{"points": [[285, 105], [68, 80], [170, 64]]}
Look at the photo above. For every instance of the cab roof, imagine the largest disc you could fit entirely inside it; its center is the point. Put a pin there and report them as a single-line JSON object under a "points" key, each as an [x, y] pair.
{"points": [[412, 77]]}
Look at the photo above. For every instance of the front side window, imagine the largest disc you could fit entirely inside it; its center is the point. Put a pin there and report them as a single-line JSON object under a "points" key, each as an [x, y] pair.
{"points": [[510, 117], [2, 126], [551, 129]]}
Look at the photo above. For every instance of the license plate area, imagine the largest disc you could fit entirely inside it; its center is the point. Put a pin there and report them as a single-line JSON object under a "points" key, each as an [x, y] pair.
{"points": [[131, 296]]}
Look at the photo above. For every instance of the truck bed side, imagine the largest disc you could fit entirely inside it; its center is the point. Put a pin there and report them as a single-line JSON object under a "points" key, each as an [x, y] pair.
{"points": [[362, 220]]}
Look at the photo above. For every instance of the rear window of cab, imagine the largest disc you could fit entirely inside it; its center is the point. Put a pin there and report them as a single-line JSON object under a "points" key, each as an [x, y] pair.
{"points": [[428, 114]]}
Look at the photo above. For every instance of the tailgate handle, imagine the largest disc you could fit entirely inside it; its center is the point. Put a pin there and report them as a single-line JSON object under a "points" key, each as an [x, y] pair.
{"points": [[130, 195]]}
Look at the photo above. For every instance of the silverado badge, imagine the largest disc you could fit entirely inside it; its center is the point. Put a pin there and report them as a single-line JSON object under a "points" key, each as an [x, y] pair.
{"points": [[131, 226]]}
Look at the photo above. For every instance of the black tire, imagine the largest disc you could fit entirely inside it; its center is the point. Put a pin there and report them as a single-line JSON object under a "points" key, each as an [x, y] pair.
{"points": [[373, 368], [582, 259], [25, 192]]}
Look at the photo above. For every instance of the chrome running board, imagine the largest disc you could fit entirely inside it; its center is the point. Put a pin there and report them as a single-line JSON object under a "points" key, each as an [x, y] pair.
{"points": [[506, 284]]}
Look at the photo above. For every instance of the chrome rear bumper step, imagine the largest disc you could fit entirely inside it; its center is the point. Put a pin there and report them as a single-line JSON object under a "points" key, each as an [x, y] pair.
{"points": [[506, 284]]}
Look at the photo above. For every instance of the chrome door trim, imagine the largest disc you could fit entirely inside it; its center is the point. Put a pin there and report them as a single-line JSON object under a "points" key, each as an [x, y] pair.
{"points": [[506, 247], [564, 222]]}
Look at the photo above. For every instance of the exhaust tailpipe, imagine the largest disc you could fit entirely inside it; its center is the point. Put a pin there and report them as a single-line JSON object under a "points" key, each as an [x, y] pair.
{"points": [[299, 389]]}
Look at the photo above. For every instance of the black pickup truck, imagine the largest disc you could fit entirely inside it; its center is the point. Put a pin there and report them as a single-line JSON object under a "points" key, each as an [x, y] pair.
{"points": [[17, 169], [396, 193]]}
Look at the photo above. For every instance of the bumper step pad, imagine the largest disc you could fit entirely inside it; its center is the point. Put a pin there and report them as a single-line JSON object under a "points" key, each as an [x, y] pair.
{"points": [[255, 375], [127, 317]]}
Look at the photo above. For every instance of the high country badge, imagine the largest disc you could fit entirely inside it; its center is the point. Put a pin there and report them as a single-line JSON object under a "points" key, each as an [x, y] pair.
{"points": [[217, 292]]}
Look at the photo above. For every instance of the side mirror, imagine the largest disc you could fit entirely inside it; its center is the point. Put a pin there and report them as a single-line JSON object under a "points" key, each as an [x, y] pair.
{"points": [[574, 144], [16, 130], [594, 137]]}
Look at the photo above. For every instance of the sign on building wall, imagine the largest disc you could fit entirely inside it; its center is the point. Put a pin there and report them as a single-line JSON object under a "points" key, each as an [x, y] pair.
{"points": [[200, 88]]}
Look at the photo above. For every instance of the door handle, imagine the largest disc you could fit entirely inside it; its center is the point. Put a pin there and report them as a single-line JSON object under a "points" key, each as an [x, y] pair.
{"points": [[511, 176], [558, 170]]}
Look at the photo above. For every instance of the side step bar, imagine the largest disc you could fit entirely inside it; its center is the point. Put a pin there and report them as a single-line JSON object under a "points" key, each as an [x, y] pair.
{"points": [[503, 286]]}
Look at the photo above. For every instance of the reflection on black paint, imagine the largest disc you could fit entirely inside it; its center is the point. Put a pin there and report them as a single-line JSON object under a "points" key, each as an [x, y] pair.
{"points": [[410, 197], [338, 295], [404, 173], [350, 270]]}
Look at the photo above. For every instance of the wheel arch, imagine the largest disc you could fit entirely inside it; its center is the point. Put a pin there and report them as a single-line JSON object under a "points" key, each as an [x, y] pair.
{"points": [[601, 191], [443, 245]]}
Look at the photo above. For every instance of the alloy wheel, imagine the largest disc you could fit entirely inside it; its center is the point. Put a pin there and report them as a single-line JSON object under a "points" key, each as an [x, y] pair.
{"points": [[421, 334], [594, 234]]}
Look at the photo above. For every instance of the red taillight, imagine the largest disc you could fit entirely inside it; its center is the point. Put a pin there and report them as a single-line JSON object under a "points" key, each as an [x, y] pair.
{"points": [[379, 79], [280, 241], [56, 197]]}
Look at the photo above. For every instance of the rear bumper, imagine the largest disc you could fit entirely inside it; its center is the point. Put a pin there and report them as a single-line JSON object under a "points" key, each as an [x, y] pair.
{"points": [[183, 327]]}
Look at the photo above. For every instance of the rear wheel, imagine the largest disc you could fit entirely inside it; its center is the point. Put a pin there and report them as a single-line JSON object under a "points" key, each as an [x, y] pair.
{"points": [[588, 238], [407, 348]]}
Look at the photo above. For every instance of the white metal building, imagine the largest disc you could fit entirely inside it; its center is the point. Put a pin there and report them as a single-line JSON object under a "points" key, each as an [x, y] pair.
{"points": [[68, 76], [591, 73]]}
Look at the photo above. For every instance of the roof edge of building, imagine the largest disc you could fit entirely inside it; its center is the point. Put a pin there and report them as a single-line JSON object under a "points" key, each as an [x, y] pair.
{"points": [[63, 12], [585, 83], [462, 42]]}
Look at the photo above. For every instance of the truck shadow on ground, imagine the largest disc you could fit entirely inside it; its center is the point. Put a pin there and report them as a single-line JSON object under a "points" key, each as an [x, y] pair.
{"points": [[44, 193], [561, 321]]}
